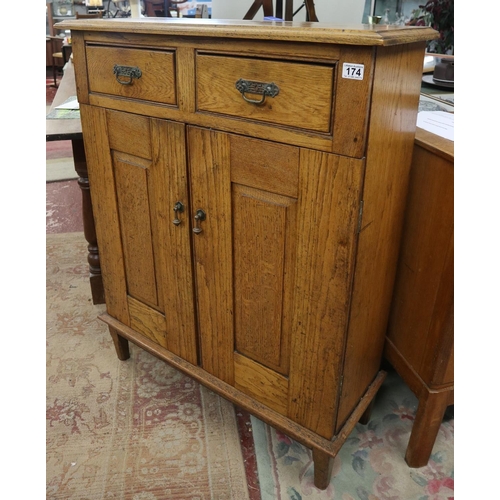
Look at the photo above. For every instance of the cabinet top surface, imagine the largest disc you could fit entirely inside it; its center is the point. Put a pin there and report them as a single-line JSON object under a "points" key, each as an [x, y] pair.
{"points": [[360, 34]]}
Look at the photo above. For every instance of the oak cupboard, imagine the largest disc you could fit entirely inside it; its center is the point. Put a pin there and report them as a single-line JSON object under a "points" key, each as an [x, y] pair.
{"points": [[248, 182]]}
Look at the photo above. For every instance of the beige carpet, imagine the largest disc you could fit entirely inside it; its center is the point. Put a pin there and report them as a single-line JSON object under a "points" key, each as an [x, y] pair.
{"points": [[60, 169], [133, 429]]}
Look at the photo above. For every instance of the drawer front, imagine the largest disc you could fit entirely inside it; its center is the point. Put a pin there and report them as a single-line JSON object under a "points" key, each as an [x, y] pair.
{"points": [[134, 73], [290, 94]]}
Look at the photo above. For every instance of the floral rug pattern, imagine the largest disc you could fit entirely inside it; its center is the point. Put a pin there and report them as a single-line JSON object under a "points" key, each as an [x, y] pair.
{"points": [[128, 430], [370, 465]]}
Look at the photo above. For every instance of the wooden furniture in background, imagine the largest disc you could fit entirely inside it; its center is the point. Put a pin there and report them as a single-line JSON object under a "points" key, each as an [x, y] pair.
{"points": [[71, 130], [248, 209], [162, 8], [267, 6], [420, 333], [94, 15], [57, 57]]}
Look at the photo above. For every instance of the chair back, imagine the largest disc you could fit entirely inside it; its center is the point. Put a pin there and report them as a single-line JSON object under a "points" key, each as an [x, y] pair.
{"points": [[94, 15]]}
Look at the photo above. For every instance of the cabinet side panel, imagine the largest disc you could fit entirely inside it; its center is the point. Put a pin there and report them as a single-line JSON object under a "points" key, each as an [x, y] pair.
{"points": [[102, 187], [211, 192], [437, 367], [396, 90], [169, 185], [427, 232], [328, 210]]}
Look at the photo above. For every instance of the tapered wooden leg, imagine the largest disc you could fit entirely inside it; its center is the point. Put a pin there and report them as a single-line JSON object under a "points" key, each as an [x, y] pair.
{"points": [[430, 412], [365, 418], [121, 344], [323, 464]]}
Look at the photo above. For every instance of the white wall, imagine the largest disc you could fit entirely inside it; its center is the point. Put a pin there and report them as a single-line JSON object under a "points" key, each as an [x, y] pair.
{"points": [[328, 11]]}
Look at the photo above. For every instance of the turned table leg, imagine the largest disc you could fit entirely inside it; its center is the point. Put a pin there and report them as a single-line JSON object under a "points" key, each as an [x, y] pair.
{"points": [[88, 222], [430, 413], [323, 464]]}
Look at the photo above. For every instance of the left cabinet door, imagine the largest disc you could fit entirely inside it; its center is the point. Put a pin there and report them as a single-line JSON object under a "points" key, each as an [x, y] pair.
{"points": [[138, 175]]}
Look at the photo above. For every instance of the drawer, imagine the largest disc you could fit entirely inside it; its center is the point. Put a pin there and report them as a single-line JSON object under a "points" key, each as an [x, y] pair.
{"points": [[291, 94], [143, 74]]}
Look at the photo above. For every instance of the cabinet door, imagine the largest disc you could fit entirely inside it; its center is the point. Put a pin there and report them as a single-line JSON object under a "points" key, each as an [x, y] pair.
{"points": [[273, 267], [137, 170]]}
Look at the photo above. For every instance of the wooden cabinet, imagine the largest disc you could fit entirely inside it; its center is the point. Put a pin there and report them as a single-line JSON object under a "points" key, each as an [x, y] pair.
{"points": [[248, 193], [420, 331]]}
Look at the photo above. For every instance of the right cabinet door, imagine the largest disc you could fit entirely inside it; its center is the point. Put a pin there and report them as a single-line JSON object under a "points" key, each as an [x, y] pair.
{"points": [[273, 268]]}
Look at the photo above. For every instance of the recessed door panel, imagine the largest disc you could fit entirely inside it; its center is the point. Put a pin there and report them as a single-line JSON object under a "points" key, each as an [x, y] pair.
{"points": [[263, 263], [131, 180]]}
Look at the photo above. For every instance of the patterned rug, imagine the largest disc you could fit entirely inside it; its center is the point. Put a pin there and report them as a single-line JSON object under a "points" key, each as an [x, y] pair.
{"points": [[133, 430], [370, 465]]}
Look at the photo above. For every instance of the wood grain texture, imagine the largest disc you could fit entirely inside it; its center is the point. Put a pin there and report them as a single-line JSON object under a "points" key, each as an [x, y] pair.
{"points": [[430, 413], [361, 34], [102, 185], [135, 225], [268, 415], [420, 333], [395, 95], [186, 78], [234, 125], [210, 191], [263, 269], [283, 269], [80, 62], [169, 185], [352, 103], [157, 82], [435, 144], [330, 189], [129, 133], [264, 165], [422, 304], [263, 384], [147, 321], [304, 99], [270, 49]]}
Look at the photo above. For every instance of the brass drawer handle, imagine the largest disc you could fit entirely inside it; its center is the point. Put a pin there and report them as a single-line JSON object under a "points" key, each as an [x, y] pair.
{"points": [[178, 209], [125, 74], [199, 217], [250, 87]]}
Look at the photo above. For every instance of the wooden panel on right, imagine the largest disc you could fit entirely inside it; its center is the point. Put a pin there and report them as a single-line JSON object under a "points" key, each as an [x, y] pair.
{"points": [[419, 341]]}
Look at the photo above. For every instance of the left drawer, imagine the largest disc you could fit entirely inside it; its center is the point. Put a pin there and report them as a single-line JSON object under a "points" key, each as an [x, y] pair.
{"points": [[135, 73]]}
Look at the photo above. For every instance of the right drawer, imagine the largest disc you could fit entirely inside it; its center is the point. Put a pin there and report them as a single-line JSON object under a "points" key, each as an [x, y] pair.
{"points": [[133, 73], [290, 94]]}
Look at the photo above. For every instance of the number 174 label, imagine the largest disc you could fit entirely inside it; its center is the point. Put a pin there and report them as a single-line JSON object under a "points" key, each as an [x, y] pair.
{"points": [[353, 71]]}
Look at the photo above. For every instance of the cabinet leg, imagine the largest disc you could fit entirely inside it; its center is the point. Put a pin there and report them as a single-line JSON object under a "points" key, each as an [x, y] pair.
{"points": [[323, 464], [430, 413], [121, 345], [365, 418]]}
